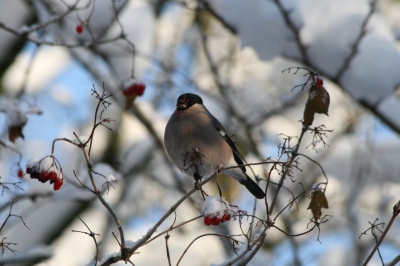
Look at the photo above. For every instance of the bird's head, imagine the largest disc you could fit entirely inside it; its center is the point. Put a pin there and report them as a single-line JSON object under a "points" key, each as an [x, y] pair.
{"points": [[187, 100]]}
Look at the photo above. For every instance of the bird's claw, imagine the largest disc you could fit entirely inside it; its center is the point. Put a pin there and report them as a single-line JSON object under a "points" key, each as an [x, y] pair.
{"points": [[197, 185], [220, 168]]}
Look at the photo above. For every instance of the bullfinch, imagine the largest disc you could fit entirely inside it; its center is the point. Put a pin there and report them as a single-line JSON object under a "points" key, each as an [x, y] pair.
{"points": [[197, 144]]}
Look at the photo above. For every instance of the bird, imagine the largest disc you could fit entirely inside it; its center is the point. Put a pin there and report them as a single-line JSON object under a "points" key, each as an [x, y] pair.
{"points": [[197, 143]]}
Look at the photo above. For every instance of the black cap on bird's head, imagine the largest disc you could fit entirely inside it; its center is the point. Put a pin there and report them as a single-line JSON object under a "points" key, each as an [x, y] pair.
{"points": [[186, 100]]}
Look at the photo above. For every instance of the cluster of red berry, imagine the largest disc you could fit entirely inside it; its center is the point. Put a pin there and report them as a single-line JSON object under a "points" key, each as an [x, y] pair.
{"points": [[132, 89], [136, 88], [216, 220], [215, 210], [45, 170]]}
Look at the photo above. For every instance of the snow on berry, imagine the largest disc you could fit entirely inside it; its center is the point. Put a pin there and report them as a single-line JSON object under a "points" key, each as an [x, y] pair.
{"points": [[215, 210], [133, 86], [46, 163], [32, 165]]}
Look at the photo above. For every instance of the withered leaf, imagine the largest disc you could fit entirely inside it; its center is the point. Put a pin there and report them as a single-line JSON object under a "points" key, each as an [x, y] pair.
{"points": [[317, 102], [15, 132], [318, 201]]}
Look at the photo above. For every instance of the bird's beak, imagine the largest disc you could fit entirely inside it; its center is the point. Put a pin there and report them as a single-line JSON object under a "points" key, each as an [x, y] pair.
{"points": [[181, 104]]}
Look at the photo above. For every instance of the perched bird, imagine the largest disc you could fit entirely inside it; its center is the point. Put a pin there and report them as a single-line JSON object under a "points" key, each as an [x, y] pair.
{"points": [[197, 143]]}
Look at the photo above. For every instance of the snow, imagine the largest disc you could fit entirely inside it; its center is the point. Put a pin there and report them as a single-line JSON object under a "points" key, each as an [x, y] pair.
{"points": [[315, 187], [115, 254], [13, 14], [140, 18], [241, 248], [215, 206], [130, 243], [49, 62], [374, 73], [111, 178], [46, 163], [315, 142], [390, 108], [130, 82], [16, 116], [319, 15], [246, 18], [329, 29], [35, 109], [33, 163], [106, 170]]}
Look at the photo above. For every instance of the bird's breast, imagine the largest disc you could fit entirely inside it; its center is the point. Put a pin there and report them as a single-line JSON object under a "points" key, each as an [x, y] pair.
{"points": [[196, 145]]}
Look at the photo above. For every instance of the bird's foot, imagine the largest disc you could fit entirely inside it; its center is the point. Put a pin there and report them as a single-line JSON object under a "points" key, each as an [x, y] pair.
{"points": [[197, 185], [197, 178], [220, 169]]}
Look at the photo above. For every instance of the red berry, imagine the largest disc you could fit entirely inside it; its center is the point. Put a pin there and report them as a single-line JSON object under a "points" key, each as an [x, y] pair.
{"points": [[215, 220], [35, 175], [139, 88], [57, 184], [43, 177], [135, 88], [20, 173], [52, 176], [319, 82], [79, 29], [226, 217], [207, 220]]}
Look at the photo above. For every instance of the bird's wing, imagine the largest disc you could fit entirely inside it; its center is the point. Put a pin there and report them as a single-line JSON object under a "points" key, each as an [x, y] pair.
{"points": [[222, 132]]}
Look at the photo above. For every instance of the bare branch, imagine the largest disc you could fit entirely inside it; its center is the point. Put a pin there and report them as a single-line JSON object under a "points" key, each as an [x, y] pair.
{"points": [[295, 31], [356, 44], [396, 212]]}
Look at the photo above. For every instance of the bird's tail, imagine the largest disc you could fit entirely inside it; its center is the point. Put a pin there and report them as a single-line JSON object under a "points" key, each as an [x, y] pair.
{"points": [[252, 187]]}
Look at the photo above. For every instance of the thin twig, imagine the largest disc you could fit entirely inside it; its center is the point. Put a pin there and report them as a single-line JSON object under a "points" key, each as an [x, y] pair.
{"points": [[295, 31], [396, 211], [356, 44]]}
